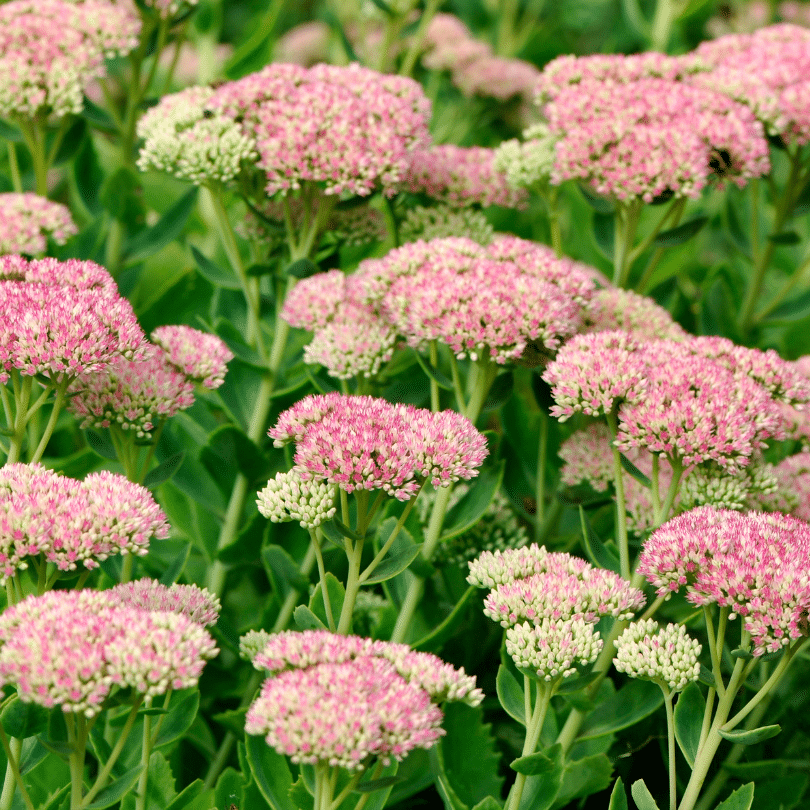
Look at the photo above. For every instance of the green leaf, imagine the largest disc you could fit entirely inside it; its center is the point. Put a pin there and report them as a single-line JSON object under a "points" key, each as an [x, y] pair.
{"points": [[469, 753], [336, 594], [739, 236], [634, 471], [584, 777], [101, 443], [706, 677], [184, 799], [164, 471], [434, 640], [468, 511], [377, 784], [501, 390], [233, 720], [116, 790], [301, 796], [246, 548], [283, 571], [384, 7], [802, 206], [540, 791], [510, 694], [600, 554], [642, 796], [393, 564], [33, 752], [750, 736], [604, 233], [160, 788], [165, 230], [344, 530], [681, 233], [785, 238], [537, 763], [618, 798], [741, 799], [230, 789], [182, 711], [71, 142], [489, 803], [689, 721], [600, 204], [794, 309], [633, 702], [333, 534], [178, 565], [55, 802], [303, 268], [98, 117], [305, 619], [570, 685], [214, 273], [23, 720], [441, 379], [271, 772], [229, 444], [88, 176], [257, 270]]}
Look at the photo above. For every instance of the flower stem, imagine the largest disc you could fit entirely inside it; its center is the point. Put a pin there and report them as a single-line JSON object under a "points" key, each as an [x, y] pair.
{"points": [[621, 509], [13, 749], [327, 605], [146, 753], [409, 62], [540, 484], [389, 542], [61, 388], [673, 781]]}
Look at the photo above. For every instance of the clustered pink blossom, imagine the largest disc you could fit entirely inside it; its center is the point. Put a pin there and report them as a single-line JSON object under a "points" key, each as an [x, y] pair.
{"points": [[754, 564], [792, 495], [360, 442], [133, 394], [62, 325], [72, 522], [344, 700], [497, 301], [460, 176], [73, 648], [348, 128], [51, 49], [614, 308], [652, 137], [28, 221], [768, 70], [474, 67], [191, 601], [200, 356]]}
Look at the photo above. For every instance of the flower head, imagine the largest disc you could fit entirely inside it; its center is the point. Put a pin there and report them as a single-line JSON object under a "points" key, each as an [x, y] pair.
{"points": [[197, 604], [289, 497], [614, 308], [28, 221], [200, 356], [426, 223], [553, 649], [668, 656]]}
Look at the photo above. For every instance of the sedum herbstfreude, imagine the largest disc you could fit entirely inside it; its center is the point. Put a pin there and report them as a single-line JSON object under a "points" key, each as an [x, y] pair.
{"points": [[191, 601], [28, 222], [202, 357]]}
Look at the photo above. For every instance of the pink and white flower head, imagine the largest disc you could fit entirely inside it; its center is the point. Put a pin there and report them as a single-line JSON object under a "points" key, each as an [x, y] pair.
{"points": [[197, 604], [460, 176], [614, 308], [202, 357], [51, 49], [72, 648], [313, 301], [754, 564], [768, 71], [70, 274], [134, 394], [668, 656], [593, 373], [359, 442], [72, 522], [499, 301], [497, 77], [606, 127], [498, 567], [792, 492], [306, 44], [303, 650], [288, 497], [365, 126], [28, 221], [553, 649]]}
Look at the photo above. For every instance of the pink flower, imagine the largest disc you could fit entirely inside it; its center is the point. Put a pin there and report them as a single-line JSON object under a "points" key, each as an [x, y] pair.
{"points": [[200, 356], [28, 221], [614, 308], [197, 604]]}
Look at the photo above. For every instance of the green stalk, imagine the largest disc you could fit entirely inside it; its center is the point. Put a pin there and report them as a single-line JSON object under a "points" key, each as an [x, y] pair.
{"points": [[621, 509], [13, 749], [34, 139], [409, 62], [327, 605], [795, 278], [673, 779], [23, 397], [77, 739], [625, 224], [434, 386], [389, 542], [61, 389], [14, 167], [540, 484], [146, 753]]}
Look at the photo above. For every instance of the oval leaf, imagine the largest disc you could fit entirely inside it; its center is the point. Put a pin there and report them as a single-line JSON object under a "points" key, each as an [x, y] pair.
{"points": [[377, 784], [24, 720], [271, 772], [750, 736], [633, 702], [394, 564], [741, 799], [164, 471], [303, 268], [465, 514], [634, 471], [305, 619], [510, 694], [441, 379], [116, 790], [689, 720], [539, 762], [680, 234], [212, 272], [642, 796]]}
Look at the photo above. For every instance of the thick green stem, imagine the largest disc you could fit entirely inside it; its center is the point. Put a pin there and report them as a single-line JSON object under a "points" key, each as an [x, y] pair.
{"points": [[352, 588], [77, 739], [672, 491], [389, 542], [13, 749], [540, 483], [673, 780], [434, 386], [621, 509], [59, 400], [315, 544], [625, 224], [14, 167], [666, 12], [415, 48], [34, 137], [22, 397], [146, 752]]}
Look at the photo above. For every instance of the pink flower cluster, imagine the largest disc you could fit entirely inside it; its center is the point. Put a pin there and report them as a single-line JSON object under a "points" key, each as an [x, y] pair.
{"points": [[51, 49], [460, 176], [348, 128], [72, 522], [651, 137], [497, 301], [200, 356], [614, 308], [73, 648], [28, 221], [62, 318], [753, 564], [196, 604], [344, 700], [768, 70], [473, 66], [360, 442], [792, 495]]}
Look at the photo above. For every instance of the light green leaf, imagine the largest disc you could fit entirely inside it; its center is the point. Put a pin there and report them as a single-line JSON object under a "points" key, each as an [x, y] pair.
{"points": [[689, 721], [116, 790], [618, 798], [305, 619], [750, 736], [271, 772], [510, 694], [642, 796], [741, 799], [537, 763], [540, 791], [584, 777], [182, 711], [164, 471], [336, 593], [393, 564], [468, 511]]}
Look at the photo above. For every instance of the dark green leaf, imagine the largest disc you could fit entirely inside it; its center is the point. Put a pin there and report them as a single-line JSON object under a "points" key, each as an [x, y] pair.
{"points": [[233, 720], [271, 772], [501, 390], [333, 534], [745, 655], [539, 762], [282, 568], [785, 238], [98, 117], [229, 444], [344, 530], [584, 777], [634, 471], [734, 229], [230, 789], [247, 546], [510, 695], [618, 798], [795, 309], [168, 228], [600, 204], [33, 752], [681, 233], [377, 784], [305, 619], [322, 383], [303, 268], [118, 190], [642, 796], [178, 565], [301, 796], [101, 443], [257, 270], [116, 790], [336, 593], [393, 564], [182, 712], [600, 554], [24, 720], [802, 206], [604, 233], [88, 176], [71, 142], [441, 379], [434, 640], [706, 677], [570, 685], [625, 708], [750, 736], [741, 799], [540, 791], [236, 343], [214, 273], [689, 721], [164, 471], [9, 132], [468, 511]]}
